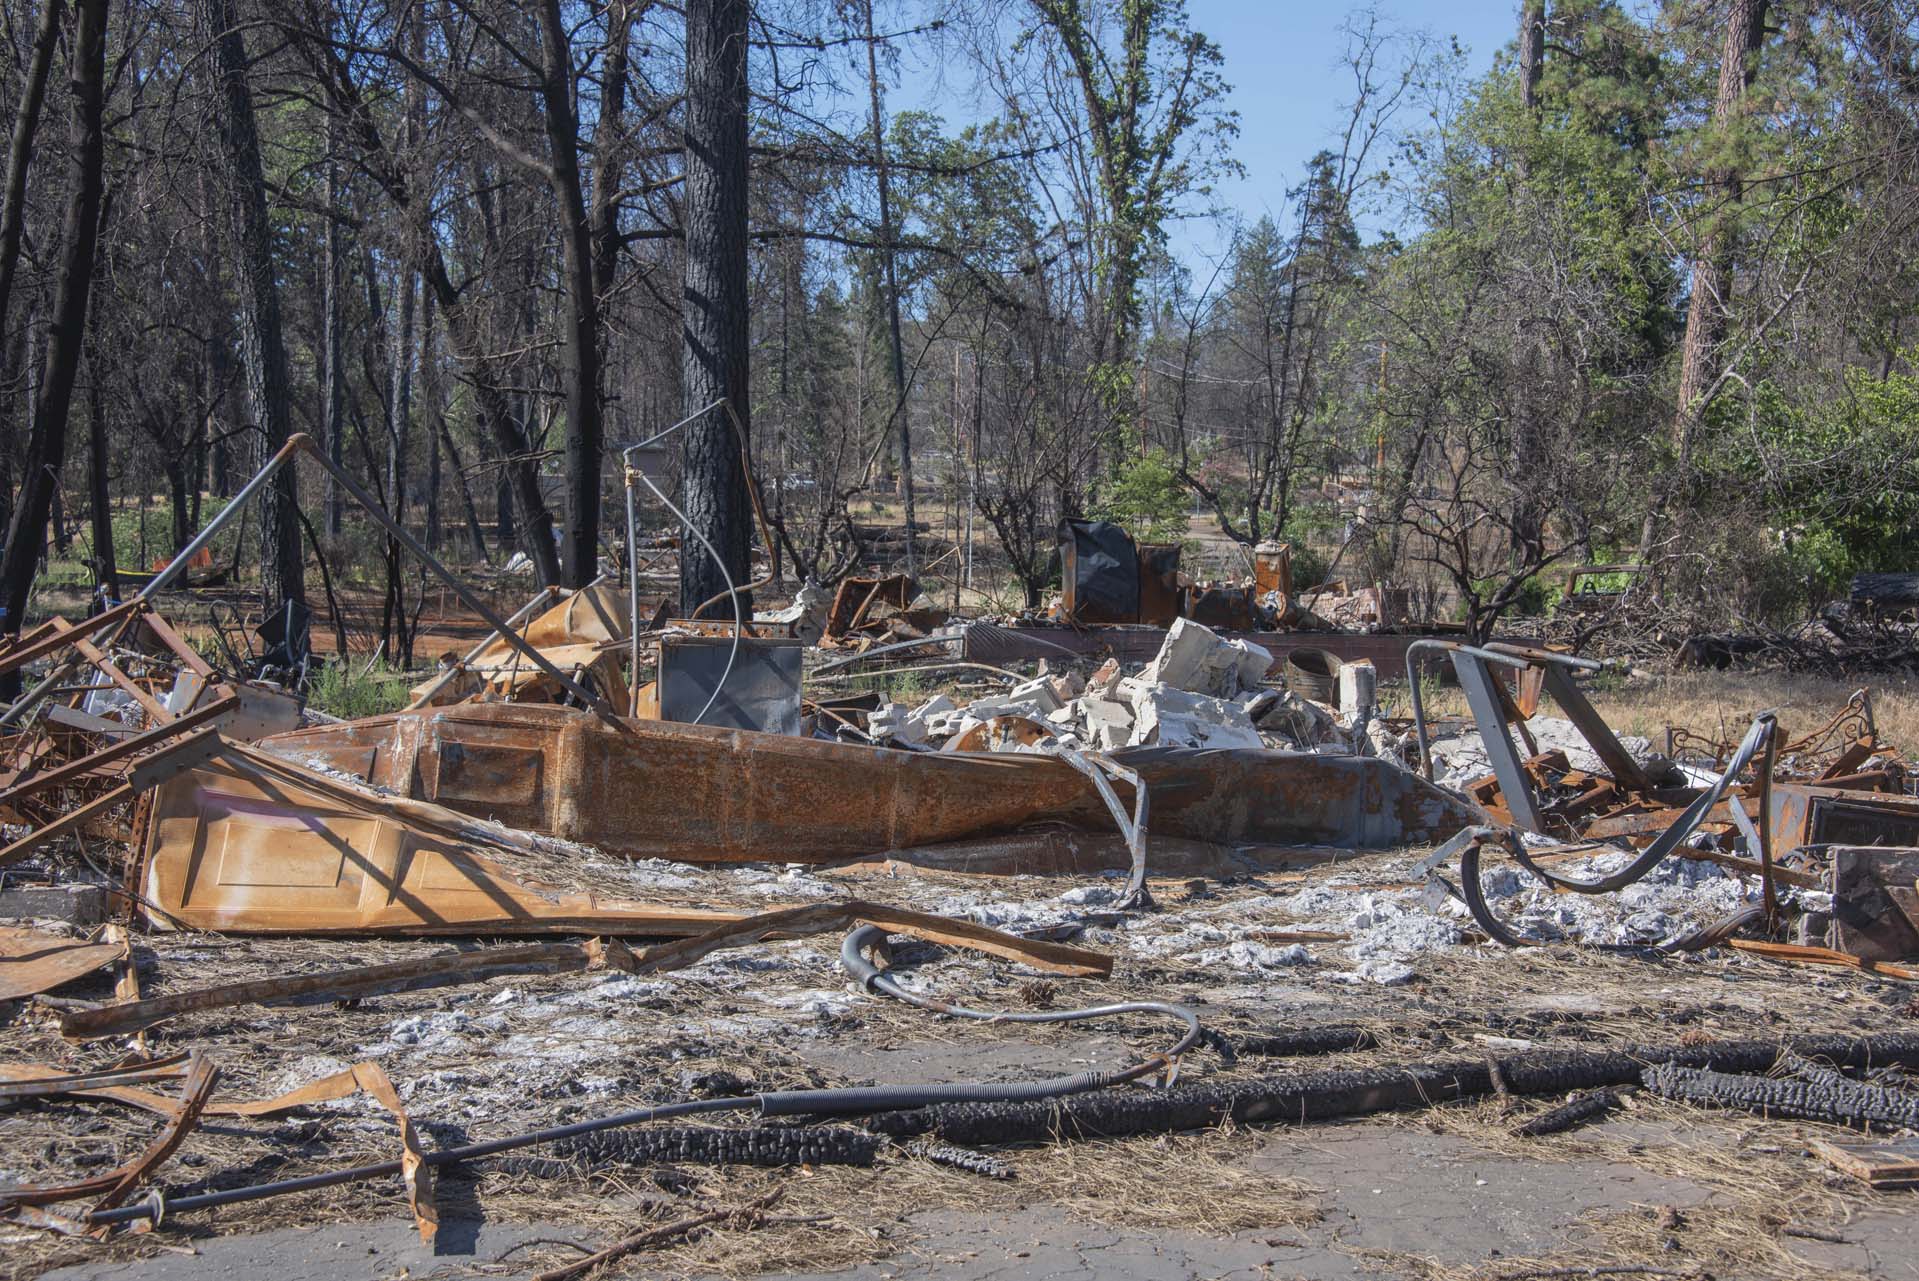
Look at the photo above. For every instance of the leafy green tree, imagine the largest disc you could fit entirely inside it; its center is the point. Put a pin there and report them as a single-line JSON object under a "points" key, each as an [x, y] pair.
{"points": [[1146, 496]]}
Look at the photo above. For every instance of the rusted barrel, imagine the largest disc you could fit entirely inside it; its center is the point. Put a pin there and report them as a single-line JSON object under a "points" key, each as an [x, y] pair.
{"points": [[1314, 674]]}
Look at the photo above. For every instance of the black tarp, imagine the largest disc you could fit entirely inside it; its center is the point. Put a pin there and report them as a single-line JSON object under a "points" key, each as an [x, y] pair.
{"points": [[1099, 571]]}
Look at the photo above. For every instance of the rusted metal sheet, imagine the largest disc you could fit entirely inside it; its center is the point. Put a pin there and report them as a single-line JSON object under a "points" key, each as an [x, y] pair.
{"points": [[1159, 589], [34, 961], [1875, 908], [252, 842], [1820, 814], [652, 789], [578, 636]]}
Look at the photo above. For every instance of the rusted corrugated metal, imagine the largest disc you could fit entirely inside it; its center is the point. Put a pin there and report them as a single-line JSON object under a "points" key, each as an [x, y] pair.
{"points": [[652, 789]]}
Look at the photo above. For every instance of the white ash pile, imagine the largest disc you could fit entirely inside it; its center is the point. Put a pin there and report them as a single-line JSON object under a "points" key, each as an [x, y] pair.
{"points": [[1202, 690]]}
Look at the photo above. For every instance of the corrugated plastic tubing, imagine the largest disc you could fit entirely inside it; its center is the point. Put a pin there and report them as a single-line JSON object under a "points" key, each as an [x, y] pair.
{"points": [[1789, 1098], [1326, 1095]]}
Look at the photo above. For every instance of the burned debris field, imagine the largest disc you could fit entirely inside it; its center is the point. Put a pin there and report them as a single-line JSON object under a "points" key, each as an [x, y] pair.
{"points": [[994, 640], [1149, 960]]}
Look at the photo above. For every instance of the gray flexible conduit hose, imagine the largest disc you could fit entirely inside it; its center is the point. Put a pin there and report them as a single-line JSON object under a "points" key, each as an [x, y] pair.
{"points": [[899, 1097], [1473, 892]]}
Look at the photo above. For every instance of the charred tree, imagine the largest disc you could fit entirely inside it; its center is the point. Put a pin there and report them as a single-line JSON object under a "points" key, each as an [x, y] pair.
{"points": [[26, 122], [585, 422], [106, 572], [713, 317], [332, 333], [263, 348], [80, 233], [890, 280]]}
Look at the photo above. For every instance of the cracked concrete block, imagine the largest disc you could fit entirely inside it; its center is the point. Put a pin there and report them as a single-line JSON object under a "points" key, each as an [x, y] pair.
{"points": [[934, 708], [895, 721], [957, 727], [1194, 657], [985, 709], [1109, 722], [1039, 692], [1254, 662], [1174, 717]]}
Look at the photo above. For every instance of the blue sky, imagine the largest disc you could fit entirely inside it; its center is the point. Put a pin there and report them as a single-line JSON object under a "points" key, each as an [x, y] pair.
{"points": [[1283, 63], [1282, 59]]}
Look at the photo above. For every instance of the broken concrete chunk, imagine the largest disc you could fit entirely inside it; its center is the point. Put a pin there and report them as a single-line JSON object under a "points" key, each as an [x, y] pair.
{"points": [[896, 721], [1193, 657], [1173, 717], [936, 706], [1040, 693], [1109, 722]]}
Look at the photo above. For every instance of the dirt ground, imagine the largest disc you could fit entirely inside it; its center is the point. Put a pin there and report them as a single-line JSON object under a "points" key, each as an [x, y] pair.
{"points": [[1444, 1193]]}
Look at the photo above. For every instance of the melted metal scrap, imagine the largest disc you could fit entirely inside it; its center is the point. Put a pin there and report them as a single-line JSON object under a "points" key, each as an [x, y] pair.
{"points": [[650, 789]]}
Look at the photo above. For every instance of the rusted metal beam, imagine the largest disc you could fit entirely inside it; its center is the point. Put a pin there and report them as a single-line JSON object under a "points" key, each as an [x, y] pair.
{"points": [[119, 751], [111, 670], [61, 633], [72, 820], [339, 985], [188, 656]]}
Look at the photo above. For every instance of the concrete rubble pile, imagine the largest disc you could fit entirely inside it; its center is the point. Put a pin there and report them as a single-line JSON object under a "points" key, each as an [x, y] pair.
{"points": [[1202, 690]]}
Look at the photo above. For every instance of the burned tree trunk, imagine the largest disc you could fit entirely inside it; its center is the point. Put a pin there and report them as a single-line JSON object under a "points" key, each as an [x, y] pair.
{"points": [[889, 267], [80, 232], [713, 324], [1712, 264], [99, 491], [332, 338], [282, 572], [26, 123], [585, 428]]}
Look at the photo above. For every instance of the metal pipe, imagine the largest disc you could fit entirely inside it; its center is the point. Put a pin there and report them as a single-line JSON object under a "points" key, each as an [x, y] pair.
{"points": [[1412, 680], [179, 563], [1533, 654], [587, 698], [632, 585]]}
